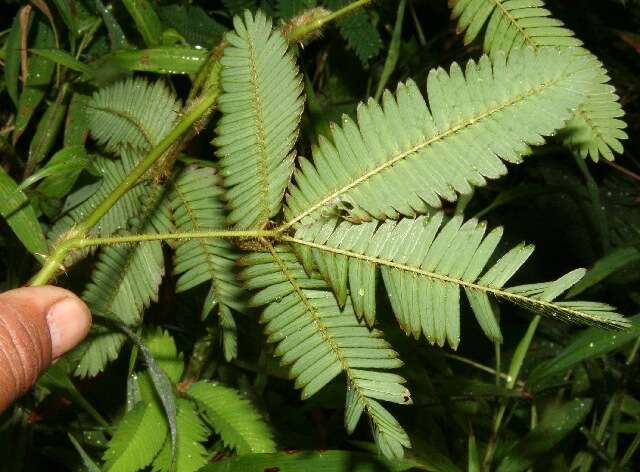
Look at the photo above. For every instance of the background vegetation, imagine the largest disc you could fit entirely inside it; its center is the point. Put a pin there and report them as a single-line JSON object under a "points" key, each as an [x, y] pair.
{"points": [[550, 396]]}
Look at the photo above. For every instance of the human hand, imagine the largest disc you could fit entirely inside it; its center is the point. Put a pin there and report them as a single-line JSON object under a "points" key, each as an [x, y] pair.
{"points": [[37, 326]]}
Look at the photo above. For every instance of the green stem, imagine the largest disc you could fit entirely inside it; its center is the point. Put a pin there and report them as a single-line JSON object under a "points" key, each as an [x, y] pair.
{"points": [[514, 371], [136, 238], [477, 365], [598, 210], [306, 29], [53, 263], [629, 453]]}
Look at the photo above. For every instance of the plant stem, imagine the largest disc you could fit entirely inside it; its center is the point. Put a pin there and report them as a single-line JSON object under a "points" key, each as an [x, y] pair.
{"points": [[598, 210], [136, 238], [306, 29], [477, 365], [54, 262], [514, 371]]}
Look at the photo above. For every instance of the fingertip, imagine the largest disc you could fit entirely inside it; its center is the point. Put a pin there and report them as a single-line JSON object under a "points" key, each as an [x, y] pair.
{"points": [[69, 321]]}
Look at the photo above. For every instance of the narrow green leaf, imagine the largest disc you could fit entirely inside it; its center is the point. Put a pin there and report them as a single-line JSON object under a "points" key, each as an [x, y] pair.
{"points": [[88, 462], [76, 127], [62, 57], [589, 344], [555, 426], [12, 59], [60, 173], [147, 22], [47, 131], [474, 456], [521, 352], [67, 8], [40, 73], [161, 60], [16, 209], [116, 34], [616, 260], [393, 52]]}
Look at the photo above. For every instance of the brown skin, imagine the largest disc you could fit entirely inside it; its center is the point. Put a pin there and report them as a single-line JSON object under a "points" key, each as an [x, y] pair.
{"points": [[37, 326]]}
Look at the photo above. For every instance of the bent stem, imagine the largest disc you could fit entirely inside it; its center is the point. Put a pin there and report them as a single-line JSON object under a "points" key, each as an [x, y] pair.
{"points": [[54, 262]]}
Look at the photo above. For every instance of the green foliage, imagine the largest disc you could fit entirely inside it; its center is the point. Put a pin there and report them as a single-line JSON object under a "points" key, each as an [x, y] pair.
{"points": [[225, 271], [191, 454], [319, 340], [124, 282], [132, 113], [402, 158], [196, 206], [359, 32], [19, 214], [596, 129], [234, 418], [137, 439], [421, 257], [261, 108]]}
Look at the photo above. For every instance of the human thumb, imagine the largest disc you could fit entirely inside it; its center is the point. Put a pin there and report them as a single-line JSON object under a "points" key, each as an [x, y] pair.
{"points": [[37, 325]]}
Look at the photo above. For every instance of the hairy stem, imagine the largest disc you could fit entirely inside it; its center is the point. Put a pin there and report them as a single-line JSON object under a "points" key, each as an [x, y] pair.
{"points": [[136, 238], [54, 262], [300, 32]]}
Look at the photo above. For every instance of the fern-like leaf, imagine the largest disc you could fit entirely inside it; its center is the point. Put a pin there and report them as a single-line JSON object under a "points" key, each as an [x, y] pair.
{"points": [[132, 113], [197, 206], [137, 439], [234, 418], [119, 215], [261, 105], [424, 265], [124, 282], [402, 158], [359, 32], [596, 129], [511, 24], [319, 340], [191, 454]]}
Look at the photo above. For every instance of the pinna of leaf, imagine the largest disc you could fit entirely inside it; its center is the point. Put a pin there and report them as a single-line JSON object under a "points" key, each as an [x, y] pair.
{"points": [[367, 200]]}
